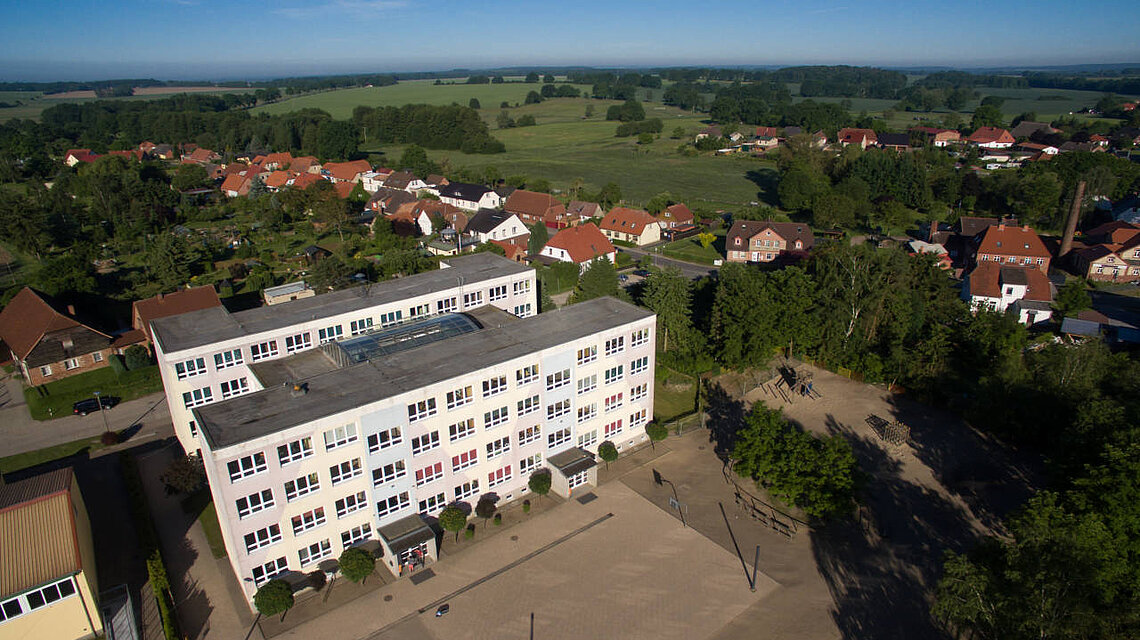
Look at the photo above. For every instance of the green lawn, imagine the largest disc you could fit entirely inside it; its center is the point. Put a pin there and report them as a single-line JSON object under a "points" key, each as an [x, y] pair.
{"points": [[54, 399], [209, 520], [674, 394], [33, 458], [690, 249]]}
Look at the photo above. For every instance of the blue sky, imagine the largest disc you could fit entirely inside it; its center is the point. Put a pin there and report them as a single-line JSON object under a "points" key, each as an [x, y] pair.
{"points": [[211, 39]]}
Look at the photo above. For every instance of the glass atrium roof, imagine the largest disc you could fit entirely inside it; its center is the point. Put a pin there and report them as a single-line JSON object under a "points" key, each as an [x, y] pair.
{"points": [[401, 338]]}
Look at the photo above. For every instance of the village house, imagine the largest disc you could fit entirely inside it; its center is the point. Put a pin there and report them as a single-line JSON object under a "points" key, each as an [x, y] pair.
{"points": [[48, 342], [1013, 245], [532, 207], [894, 141], [278, 180], [862, 138], [938, 137], [275, 161], [631, 225], [346, 171], [75, 156], [709, 132], [675, 216], [235, 185], [405, 181], [306, 180], [201, 156], [1027, 129], [440, 214], [470, 197], [1035, 148], [580, 244], [171, 304], [305, 164], [991, 138], [491, 224], [767, 241], [1111, 252], [388, 201], [373, 180], [1023, 291], [584, 210]]}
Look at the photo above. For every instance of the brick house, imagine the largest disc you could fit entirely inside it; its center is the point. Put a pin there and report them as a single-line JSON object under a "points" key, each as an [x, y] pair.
{"points": [[675, 216], [1111, 253], [1013, 245], [532, 207], [48, 342], [991, 138], [767, 241], [862, 138], [938, 137], [346, 171], [631, 225], [1024, 291]]}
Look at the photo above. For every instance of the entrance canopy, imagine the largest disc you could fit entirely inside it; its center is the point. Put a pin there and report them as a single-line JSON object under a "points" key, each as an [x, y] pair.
{"points": [[406, 533], [572, 461]]}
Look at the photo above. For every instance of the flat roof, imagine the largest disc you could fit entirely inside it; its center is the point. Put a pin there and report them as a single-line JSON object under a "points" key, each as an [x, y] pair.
{"points": [[276, 408], [286, 289], [572, 461], [206, 326], [405, 533]]}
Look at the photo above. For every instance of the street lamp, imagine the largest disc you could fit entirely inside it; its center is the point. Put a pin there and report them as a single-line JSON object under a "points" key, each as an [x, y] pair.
{"points": [[659, 479], [99, 403]]}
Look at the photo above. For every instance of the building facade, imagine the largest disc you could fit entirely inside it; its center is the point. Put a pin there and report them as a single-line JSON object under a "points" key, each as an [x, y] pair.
{"points": [[359, 441], [205, 356]]}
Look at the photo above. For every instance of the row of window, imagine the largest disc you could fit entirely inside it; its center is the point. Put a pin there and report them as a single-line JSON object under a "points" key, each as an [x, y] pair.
{"points": [[317, 551], [1011, 260], [37, 598], [72, 363]]}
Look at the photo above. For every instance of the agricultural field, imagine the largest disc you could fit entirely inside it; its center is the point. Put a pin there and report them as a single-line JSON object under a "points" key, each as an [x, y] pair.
{"points": [[34, 102]]}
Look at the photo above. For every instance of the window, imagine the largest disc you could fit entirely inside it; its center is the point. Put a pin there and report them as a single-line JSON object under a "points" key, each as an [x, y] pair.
{"points": [[588, 439], [496, 448], [612, 429], [530, 463], [97, 356], [497, 293], [356, 535], [462, 429], [446, 305], [298, 342], [45, 370], [263, 350], [388, 473], [637, 418], [557, 379], [639, 337], [308, 520], [198, 397], [1041, 261], [499, 476], [262, 538], [357, 327], [614, 374], [639, 391], [426, 442], [529, 435], [639, 365], [613, 402], [391, 318], [351, 502], [495, 385], [33, 600], [523, 310], [615, 345], [255, 502], [302, 486], [473, 299], [589, 354], [1012, 260], [521, 287], [421, 410], [384, 439], [587, 412], [528, 405], [329, 334], [227, 359], [433, 503], [340, 436], [344, 471], [269, 571], [495, 417], [459, 397], [393, 504], [419, 310], [232, 388], [466, 490], [187, 369], [295, 450], [578, 479], [246, 467], [588, 384], [527, 374], [560, 437], [465, 460], [430, 473], [314, 552], [558, 409]]}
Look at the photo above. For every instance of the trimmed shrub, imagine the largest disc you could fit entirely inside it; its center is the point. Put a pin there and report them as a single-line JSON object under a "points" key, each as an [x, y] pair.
{"points": [[274, 597]]}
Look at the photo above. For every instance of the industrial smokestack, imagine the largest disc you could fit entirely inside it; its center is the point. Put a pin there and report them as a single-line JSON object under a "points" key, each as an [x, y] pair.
{"points": [[1071, 224]]}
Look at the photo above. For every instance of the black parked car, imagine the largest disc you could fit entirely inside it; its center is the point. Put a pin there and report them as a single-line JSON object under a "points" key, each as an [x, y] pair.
{"points": [[84, 407]]}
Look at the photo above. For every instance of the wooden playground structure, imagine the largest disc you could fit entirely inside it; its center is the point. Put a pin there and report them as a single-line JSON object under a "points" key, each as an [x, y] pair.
{"points": [[791, 383]]}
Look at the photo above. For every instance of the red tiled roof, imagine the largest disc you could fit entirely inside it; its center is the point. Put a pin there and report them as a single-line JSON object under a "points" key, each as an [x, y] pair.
{"points": [[343, 189], [533, 204], [82, 155], [202, 155], [302, 164], [767, 132], [172, 304], [850, 135], [306, 180], [514, 251], [128, 154], [678, 213], [283, 159], [1012, 241], [626, 220], [988, 135], [234, 182], [28, 316], [347, 170], [583, 242], [986, 280], [278, 179]]}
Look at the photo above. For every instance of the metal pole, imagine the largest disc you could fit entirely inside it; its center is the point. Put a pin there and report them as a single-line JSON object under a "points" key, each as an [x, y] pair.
{"points": [[755, 569], [531, 625], [99, 404], [679, 509]]}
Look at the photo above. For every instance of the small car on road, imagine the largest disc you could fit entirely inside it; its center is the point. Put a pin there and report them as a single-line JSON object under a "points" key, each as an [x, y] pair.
{"points": [[89, 405]]}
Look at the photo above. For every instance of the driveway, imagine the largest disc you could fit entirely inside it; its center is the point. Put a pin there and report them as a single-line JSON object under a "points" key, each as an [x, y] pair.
{"points": [[143, 418], [689, 269]]}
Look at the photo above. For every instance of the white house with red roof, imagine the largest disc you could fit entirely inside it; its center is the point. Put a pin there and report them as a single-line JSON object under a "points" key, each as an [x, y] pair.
{"points": [[1024, 291], [1012, 245], [631, 225], [991, 138], [580, 245], [862, 138]]}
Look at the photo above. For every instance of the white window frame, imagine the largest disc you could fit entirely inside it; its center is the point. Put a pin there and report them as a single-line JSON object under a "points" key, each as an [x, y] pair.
{"points": [[496, 417], [431, 504], [587, 412], [458, 397], [639, 337], [638, 418], [527, 406], [467, 490], [446, 305], [247, 466], [464, 460], [429, 474], [197, 397], [351, 503], [228, 358], [473, 299], [638, 365], [615, 345], [462, 429], [272, 535], [355, 535], [314, 552], [615, 374], [588, 439], [557, 409], [530, 463], [185, 369], [308, 520], [263, 350], [385, 438], [357, 327], [393, 504], [497, 293], [612, 429], [389, 472], [235, 387], [495, 385], [294, 451], [499, 476], [254, 502], [340, 436], [330, 334], [345, 471], [637, 392], [530, 434], [588, 383], [522, 286], [615, 401], [391, 318], [302, 486], [420, 410], [269, 571], [558, 438], [496, 448], [527, 374], [558, 379], [425, 442], [587, 354], [298, 342]]}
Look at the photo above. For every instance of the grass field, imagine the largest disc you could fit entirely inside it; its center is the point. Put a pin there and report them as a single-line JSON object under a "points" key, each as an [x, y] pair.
{"points": [[674, 394], [690, 249], [54, 400], [34, 102]]}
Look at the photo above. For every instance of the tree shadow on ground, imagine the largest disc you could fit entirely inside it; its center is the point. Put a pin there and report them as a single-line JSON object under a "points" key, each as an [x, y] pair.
{"points": [[882, 564], [192, 605], [991, 478], [768, 181], [725, 417]]}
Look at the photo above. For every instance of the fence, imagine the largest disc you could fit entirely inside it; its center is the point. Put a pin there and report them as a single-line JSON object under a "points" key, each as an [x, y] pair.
{"points": [[843, 371]]}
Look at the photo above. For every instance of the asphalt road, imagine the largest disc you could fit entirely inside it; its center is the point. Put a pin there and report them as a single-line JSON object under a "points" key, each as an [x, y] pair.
{"points": [[689, 269], [146, 417]]}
